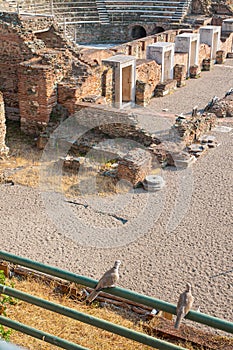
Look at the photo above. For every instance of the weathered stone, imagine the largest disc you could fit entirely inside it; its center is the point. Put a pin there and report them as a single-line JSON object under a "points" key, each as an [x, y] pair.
{"points": [[153, 183], [220, 57], [189, 129], [193, 71], [135, 166], [165, 88], [222, 107], [183, 160]]}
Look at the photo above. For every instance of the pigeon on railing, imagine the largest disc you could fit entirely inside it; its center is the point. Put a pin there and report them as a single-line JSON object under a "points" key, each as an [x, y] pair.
{"points": [[184, 305], [109, 279]]}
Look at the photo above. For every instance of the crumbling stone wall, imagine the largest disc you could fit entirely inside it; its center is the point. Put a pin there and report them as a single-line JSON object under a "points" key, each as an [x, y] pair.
{"points": [[181, 59], [222, 7], [115, 124], [3, 148], [135, 166], [201, 6], [222, 107], [37, 84], [204, 53], [35, 23], [53, 37], [207, 7], [226, 43], [189, 129], [148, 74], [16, 46]]}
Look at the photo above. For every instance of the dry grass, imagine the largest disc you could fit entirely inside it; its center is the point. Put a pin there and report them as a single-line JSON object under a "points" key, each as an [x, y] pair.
{"points": [[85, 335], [24, 167], [64, 327]]}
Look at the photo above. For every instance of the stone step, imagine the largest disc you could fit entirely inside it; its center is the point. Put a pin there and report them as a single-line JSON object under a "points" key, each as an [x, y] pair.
{"points": [[129, 2], [79, 22], [144, 7]]}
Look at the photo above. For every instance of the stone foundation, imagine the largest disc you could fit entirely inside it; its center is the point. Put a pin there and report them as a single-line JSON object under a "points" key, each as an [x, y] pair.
{"points": [[165, 88], [148, 74], [135, 166]]}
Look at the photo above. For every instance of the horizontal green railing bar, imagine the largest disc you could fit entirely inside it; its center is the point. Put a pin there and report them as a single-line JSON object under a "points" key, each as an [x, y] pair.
{"points": [[94, 321], [49, 338], [123, 293]]}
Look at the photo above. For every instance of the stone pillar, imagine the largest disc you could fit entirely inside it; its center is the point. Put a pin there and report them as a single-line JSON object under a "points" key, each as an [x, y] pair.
{"points": [[3, 149], [210, 35], [163, 54], [188, 42]]}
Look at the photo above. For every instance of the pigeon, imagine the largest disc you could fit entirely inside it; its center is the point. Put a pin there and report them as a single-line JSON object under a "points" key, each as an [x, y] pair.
{"points": [[184, 305], [108, 280]]}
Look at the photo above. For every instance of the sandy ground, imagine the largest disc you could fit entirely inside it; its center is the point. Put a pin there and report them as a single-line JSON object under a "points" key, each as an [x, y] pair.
{"points": [[183, 233]]}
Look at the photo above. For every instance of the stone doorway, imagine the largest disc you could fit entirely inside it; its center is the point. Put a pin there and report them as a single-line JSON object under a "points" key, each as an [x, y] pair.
{"points": [[193, 53], [126, 83], [124, 79], [138, 32]]}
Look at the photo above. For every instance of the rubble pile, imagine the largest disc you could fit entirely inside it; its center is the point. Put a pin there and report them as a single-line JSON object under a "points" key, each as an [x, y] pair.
{"points": [[222, 107], [189, 129]]}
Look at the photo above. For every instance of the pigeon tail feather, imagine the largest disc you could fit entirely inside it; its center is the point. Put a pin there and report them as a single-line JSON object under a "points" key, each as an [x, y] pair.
{"points": [[178, 321], [93, 295]]}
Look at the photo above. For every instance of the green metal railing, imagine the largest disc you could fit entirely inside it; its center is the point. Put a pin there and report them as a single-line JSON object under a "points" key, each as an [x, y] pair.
{"points": [[88, 319], [35, 333], [127, 294]]}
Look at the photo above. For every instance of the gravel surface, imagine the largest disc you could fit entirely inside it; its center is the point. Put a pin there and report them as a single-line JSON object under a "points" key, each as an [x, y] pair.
{"points": [[183, 233]]}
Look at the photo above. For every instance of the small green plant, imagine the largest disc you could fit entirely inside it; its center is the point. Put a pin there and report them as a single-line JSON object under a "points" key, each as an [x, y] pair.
{"points": [[5, 300], [5, 334]]}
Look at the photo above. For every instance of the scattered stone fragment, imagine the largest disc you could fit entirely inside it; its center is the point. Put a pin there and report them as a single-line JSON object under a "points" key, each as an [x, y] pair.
{"points": [[209, 140], [197, 149], [183, 160], [153, 183]]}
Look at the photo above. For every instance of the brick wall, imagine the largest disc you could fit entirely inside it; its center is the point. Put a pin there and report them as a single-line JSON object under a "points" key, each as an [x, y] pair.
{"points": [[38, 79], [148, 74], [181, 59], [17, 45], [227, 43], [3, 148], [53, 38], [35, 22]]}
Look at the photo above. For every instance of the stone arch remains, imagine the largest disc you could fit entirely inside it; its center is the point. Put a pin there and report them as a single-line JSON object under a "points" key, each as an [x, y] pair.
{"points": [[158, 30], [138, 32]]}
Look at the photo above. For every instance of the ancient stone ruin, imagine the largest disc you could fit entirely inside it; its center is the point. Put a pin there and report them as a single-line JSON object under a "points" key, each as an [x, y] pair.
{"points": [[222, 107], [47, 76]]}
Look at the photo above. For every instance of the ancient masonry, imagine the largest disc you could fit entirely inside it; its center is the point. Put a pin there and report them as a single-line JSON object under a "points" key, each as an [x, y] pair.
{"points": [[41, 71], [3, 148]]}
